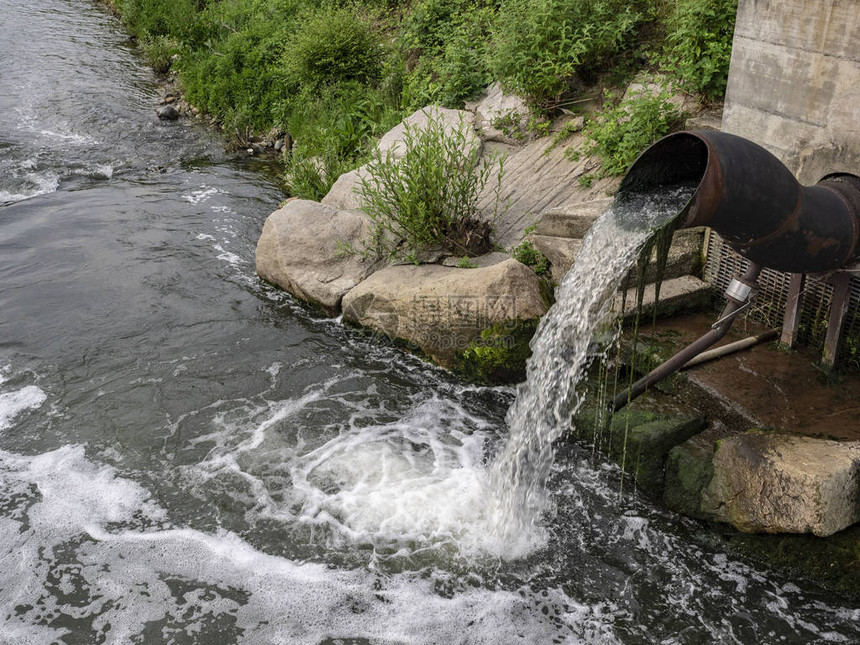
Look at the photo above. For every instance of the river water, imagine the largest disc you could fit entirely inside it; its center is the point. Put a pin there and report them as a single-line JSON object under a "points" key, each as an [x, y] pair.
{"points": [[190, 456]]}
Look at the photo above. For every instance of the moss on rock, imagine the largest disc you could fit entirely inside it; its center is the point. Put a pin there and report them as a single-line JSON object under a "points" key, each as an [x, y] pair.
{"points": [[639, 441], [499, 354], [689, 470], [831, 562]]}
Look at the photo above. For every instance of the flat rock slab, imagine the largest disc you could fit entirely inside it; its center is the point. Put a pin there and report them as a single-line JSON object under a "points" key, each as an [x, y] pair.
{"points": [[777, 483], [480, 262], [686, 293], [494, 106], [574, 220], [539, 177], [560, 251], [442, 309], [301, 251]]}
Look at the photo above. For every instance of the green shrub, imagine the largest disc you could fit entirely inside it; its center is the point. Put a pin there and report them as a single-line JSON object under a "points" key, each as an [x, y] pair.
{"points": [[428, 198], [446, 42], [526, 253], [539, 46], [699, 38], [159, 51], [619, 135], [330, 46]]}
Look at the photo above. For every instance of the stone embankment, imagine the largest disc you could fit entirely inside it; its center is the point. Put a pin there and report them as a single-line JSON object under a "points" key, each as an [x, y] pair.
{"points": [[442, 308], [755, 481]]}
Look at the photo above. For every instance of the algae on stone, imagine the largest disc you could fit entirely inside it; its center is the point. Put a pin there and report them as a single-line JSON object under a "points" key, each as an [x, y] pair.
{"points": [[638, 441], [499, 354]]}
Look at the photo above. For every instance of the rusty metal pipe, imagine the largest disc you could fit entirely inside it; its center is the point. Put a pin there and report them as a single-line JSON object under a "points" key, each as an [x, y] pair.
{"points": [[754, 202], [734, 305]]}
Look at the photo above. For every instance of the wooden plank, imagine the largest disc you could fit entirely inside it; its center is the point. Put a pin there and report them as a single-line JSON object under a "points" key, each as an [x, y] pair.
{"points": [[791, 320], [838, 310]]}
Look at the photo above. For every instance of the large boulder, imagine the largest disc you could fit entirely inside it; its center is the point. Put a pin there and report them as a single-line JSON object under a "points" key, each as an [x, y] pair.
{"points": [[301, 250], [762, 482], [441, 310], [342, 192]]}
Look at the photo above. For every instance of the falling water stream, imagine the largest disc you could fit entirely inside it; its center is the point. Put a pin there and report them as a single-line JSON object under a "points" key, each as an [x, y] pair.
{"points": [[190, 456], [546, 401]]}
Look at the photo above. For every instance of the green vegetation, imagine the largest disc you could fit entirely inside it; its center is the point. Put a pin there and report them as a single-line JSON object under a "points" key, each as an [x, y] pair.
{"points": [[541, 47], [526, 253], [499, 354], [699, 38], [428, 196], [335, 74], [618, 135]]}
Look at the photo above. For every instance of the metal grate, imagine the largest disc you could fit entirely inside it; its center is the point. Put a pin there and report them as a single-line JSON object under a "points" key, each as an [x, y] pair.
{"points": [[722, 264]]}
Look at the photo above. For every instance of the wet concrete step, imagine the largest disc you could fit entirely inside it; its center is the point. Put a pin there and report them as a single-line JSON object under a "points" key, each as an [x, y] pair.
{"points": [[683, 294], [685, 254], [572, 221]]}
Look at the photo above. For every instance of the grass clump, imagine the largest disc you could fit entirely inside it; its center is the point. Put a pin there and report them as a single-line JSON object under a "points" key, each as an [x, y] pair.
{"points": [[540, 47], [699, 37], [618, 135], [426, 194]]}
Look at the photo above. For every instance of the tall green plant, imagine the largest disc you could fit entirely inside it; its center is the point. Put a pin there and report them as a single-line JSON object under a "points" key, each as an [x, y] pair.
{"points": [[428, 195], [699, 37], [540, 45]]}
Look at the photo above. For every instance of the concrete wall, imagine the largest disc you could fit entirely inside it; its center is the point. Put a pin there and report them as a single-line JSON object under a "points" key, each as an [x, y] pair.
{"points": [[794, 83]]}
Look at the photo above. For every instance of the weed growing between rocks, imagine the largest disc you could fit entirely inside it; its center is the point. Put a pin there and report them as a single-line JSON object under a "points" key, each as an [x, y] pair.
{"points": [[618, 135], [526, 253], [425, 195]]}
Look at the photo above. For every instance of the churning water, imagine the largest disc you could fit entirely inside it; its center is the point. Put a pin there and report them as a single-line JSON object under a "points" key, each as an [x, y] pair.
{"points": [[189, 456]]}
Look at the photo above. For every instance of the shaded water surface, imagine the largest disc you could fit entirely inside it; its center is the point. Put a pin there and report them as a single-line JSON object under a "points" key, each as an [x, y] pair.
{"points": [[188, 456]]}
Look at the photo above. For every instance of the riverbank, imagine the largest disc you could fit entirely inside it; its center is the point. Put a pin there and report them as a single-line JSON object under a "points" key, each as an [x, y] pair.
{"points": [[438, 331]]}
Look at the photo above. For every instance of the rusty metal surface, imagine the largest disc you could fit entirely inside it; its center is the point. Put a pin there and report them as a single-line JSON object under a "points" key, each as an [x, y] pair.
{"points": [[754, 202]]}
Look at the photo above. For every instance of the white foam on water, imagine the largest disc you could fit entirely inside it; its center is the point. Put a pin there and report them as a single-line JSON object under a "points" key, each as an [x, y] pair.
{"points": [[73, 550], [30, 184], [227, 256], [419, 481], [17, 401], [98, 171], [70, 137], [203, 194]]}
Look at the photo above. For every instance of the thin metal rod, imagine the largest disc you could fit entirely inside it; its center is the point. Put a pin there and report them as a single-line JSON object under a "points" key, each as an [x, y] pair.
{"points": [[727, 317], [731, 348]]}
